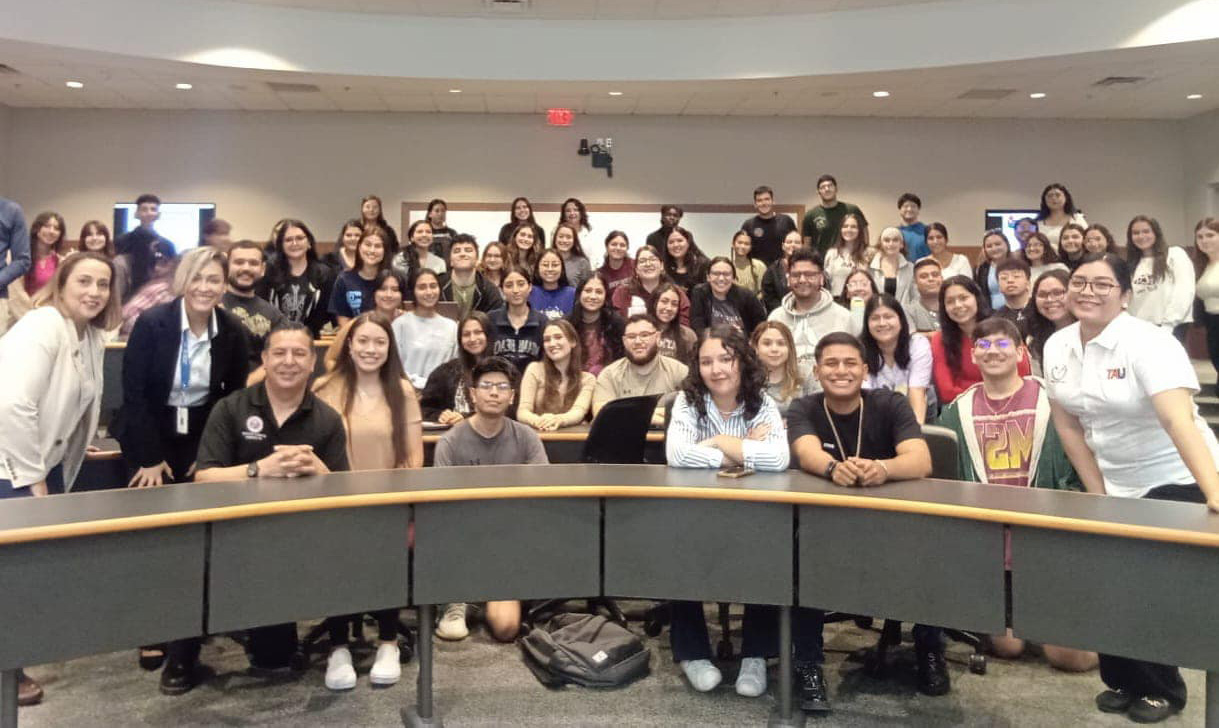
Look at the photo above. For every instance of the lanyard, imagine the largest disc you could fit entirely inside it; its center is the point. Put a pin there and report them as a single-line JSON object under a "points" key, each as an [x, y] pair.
{"points": [[184, 361]]}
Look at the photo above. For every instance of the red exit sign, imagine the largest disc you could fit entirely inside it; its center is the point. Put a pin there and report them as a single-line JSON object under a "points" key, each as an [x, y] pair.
{"points": [[559, 117]]}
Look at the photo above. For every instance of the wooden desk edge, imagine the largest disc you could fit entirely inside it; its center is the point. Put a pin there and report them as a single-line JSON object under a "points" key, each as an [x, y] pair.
{"points": [[225, 513]]}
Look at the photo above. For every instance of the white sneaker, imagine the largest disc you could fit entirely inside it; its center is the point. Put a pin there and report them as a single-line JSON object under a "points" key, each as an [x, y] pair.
{"points": [[703, 676], [386, 669], [452, 625], [751, 680], [340, 675]]}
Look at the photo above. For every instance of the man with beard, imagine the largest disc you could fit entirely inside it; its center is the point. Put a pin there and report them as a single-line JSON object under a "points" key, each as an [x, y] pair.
{"points": [[808, 310], [247, 266], [642, 371]]}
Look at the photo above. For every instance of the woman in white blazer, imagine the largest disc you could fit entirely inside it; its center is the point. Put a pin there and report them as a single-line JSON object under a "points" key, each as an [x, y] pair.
{"points": [[51, 361]]}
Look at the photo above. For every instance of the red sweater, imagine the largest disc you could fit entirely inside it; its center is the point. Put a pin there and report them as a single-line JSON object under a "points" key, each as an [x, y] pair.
{"points": [[947, 384]]}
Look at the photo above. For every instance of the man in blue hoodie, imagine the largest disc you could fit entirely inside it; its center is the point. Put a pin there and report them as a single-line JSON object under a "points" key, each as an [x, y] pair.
{"points": [[14, 252]]}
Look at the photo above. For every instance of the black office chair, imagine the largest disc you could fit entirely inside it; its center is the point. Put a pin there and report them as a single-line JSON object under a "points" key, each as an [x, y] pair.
{"points": [[617, 436], [942, 442]]}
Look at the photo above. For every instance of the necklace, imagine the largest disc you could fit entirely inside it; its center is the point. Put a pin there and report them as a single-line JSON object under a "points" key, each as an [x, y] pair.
{"points": [[858, 436], [986, 399]]}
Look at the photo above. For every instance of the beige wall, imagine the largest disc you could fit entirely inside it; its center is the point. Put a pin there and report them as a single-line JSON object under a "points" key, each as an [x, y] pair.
{"points": [[1201, 167], [259, 167], [5, 142]]}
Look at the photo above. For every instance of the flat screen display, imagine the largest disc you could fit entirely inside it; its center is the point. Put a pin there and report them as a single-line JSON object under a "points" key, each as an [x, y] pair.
{"points": [[1006, 220], [181, 222]]}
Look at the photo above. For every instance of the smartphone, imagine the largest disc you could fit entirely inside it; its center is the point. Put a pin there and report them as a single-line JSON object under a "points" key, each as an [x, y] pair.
{"points": [[737, 471]]}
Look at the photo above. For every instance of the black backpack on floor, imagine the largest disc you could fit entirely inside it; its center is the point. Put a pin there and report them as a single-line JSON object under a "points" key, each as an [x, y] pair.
{"points": [[584, 649]]}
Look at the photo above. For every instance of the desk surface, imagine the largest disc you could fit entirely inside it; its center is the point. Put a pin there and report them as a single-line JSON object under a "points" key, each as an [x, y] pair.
{"points": [[79, 514]]}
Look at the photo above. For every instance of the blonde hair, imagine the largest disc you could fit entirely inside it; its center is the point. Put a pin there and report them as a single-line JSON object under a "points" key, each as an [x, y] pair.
{"points": [[51, 295], [192, 264]]}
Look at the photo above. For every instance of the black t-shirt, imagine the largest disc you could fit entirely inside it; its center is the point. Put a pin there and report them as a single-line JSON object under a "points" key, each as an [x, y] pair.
{"points": [[242, 429], [659, 239], [887, 421], [257, 318], [768, 235], [442, 240], [1018, 316]]}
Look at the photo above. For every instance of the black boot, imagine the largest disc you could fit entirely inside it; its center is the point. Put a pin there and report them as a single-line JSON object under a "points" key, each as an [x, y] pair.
{"points": [[810, 684], [933, 673]]}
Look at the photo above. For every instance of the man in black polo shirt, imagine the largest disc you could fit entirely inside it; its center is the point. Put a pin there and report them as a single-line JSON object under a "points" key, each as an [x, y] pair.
{"points": [[276, 429], [829, 439], [767, 228]]}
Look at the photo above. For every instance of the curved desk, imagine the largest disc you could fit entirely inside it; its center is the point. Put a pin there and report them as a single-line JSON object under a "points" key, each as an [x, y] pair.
{"points": [[212, 558]]}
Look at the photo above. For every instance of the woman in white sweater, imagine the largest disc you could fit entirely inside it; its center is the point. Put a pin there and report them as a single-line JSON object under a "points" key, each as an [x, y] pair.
{"points": [[1206, 241], [1163, 278], [425, 339]]}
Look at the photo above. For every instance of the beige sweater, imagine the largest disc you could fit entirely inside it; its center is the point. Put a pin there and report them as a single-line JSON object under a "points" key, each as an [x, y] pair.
{"points": [[533, 388]]}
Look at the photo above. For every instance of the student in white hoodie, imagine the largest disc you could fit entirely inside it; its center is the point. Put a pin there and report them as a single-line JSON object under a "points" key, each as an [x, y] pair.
{"points": [[1163, 278], [808, 309]]}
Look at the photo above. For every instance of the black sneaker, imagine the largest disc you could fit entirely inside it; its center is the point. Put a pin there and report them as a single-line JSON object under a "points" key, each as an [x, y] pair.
{"points": [[177, 678], [1114, 701], [1151, 710], [933, 673], [811, 685]]}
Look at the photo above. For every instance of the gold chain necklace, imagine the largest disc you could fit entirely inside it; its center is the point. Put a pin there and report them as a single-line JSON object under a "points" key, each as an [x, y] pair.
{"points": [[834, 429], [986, 399]]}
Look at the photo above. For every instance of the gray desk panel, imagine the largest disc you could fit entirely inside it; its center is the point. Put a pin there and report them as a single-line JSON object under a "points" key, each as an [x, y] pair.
{"points": [[940, 571], [1133, 598], [100, 593], [700, 550], [531, 548], [303, 565]]}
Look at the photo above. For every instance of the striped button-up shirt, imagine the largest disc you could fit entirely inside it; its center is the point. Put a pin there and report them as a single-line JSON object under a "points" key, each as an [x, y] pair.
{"points": [[687, 430]]}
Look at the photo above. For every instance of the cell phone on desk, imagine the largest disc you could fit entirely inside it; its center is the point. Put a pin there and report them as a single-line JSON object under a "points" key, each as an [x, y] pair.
{"points": [[736, 471]]}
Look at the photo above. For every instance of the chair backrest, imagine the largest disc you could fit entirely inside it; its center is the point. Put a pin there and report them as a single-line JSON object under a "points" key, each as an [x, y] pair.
{"points": [[619, 432], [943, 445]]}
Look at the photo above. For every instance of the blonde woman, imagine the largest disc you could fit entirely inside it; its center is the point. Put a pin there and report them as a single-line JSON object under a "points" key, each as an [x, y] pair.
{"points": [[776, 348]]}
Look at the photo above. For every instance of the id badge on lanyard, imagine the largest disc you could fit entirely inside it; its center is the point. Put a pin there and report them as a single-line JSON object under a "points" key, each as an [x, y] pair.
{"points": [[183, 413]]}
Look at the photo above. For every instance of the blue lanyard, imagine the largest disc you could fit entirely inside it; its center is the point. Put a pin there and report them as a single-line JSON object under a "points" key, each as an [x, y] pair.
{"points": [[184, 361]]}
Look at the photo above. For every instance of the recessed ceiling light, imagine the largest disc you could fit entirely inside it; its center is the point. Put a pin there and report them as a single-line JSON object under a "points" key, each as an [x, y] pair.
{"points": [[454, 90], [74, 84], [1037, 95], [1194, 97], [615, 93], [183, 86], [880, 94]]}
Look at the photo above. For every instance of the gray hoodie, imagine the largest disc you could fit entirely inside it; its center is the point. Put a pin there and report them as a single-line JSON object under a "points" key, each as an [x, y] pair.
{"points": [[808, 327]]}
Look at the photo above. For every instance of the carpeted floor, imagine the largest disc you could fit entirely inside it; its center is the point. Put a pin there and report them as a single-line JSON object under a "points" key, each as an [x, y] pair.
{"points": [[481, 683]]}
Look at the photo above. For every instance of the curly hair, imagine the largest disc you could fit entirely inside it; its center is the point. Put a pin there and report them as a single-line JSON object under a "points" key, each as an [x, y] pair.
{"points": [[753, 373]]}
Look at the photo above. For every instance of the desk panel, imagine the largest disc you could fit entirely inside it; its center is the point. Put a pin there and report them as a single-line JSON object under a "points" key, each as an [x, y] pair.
{"points": [[1145, 599], [80, 596], [532, 548], [699, 550], [916, 568], [301, 565]]}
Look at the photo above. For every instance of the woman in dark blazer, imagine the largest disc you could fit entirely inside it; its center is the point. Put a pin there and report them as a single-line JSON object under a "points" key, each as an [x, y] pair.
{"points": [[162, 417], [163, 413], [739, 306]]}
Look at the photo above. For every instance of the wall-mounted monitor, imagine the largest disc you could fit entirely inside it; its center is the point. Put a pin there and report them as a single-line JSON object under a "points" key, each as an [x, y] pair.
{"points": [[1006, 220], [181, 222]]}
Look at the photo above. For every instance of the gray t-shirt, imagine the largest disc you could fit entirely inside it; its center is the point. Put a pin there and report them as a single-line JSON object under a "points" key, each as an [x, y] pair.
{"points": [[921, 317], [516, 444]]}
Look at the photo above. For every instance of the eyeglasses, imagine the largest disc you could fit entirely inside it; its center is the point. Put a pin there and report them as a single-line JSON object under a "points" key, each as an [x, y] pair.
{"points": [[719, 274], [1099, 286], [1000, 344], [1051, 295], [804, 276], [497, 386], [639, 337], [296, 239]]}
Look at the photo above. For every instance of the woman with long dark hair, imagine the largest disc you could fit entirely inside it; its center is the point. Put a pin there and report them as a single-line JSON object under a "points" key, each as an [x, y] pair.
{"points": [[749, 270], [425, 338], [649, 274], [683, 261], [566, 242], [722, 417], [556, 391], [951, 264], [721, 300], [896, 360], [674, 339], [597, 325], [521, 213], [297, 283], [47, 235], [1098, 239], [1206, 243], [444, 398], [1048, 314], [384, 431], [1040, 256], [962, 306], [417, 253], [1162, 275], [1071, 245], [1057, 210], [372, 215], [524, 248], [848, 252], [552, 295], [995, 249], [774, 280], [518, 335], [354, 289], [494, 262]]}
